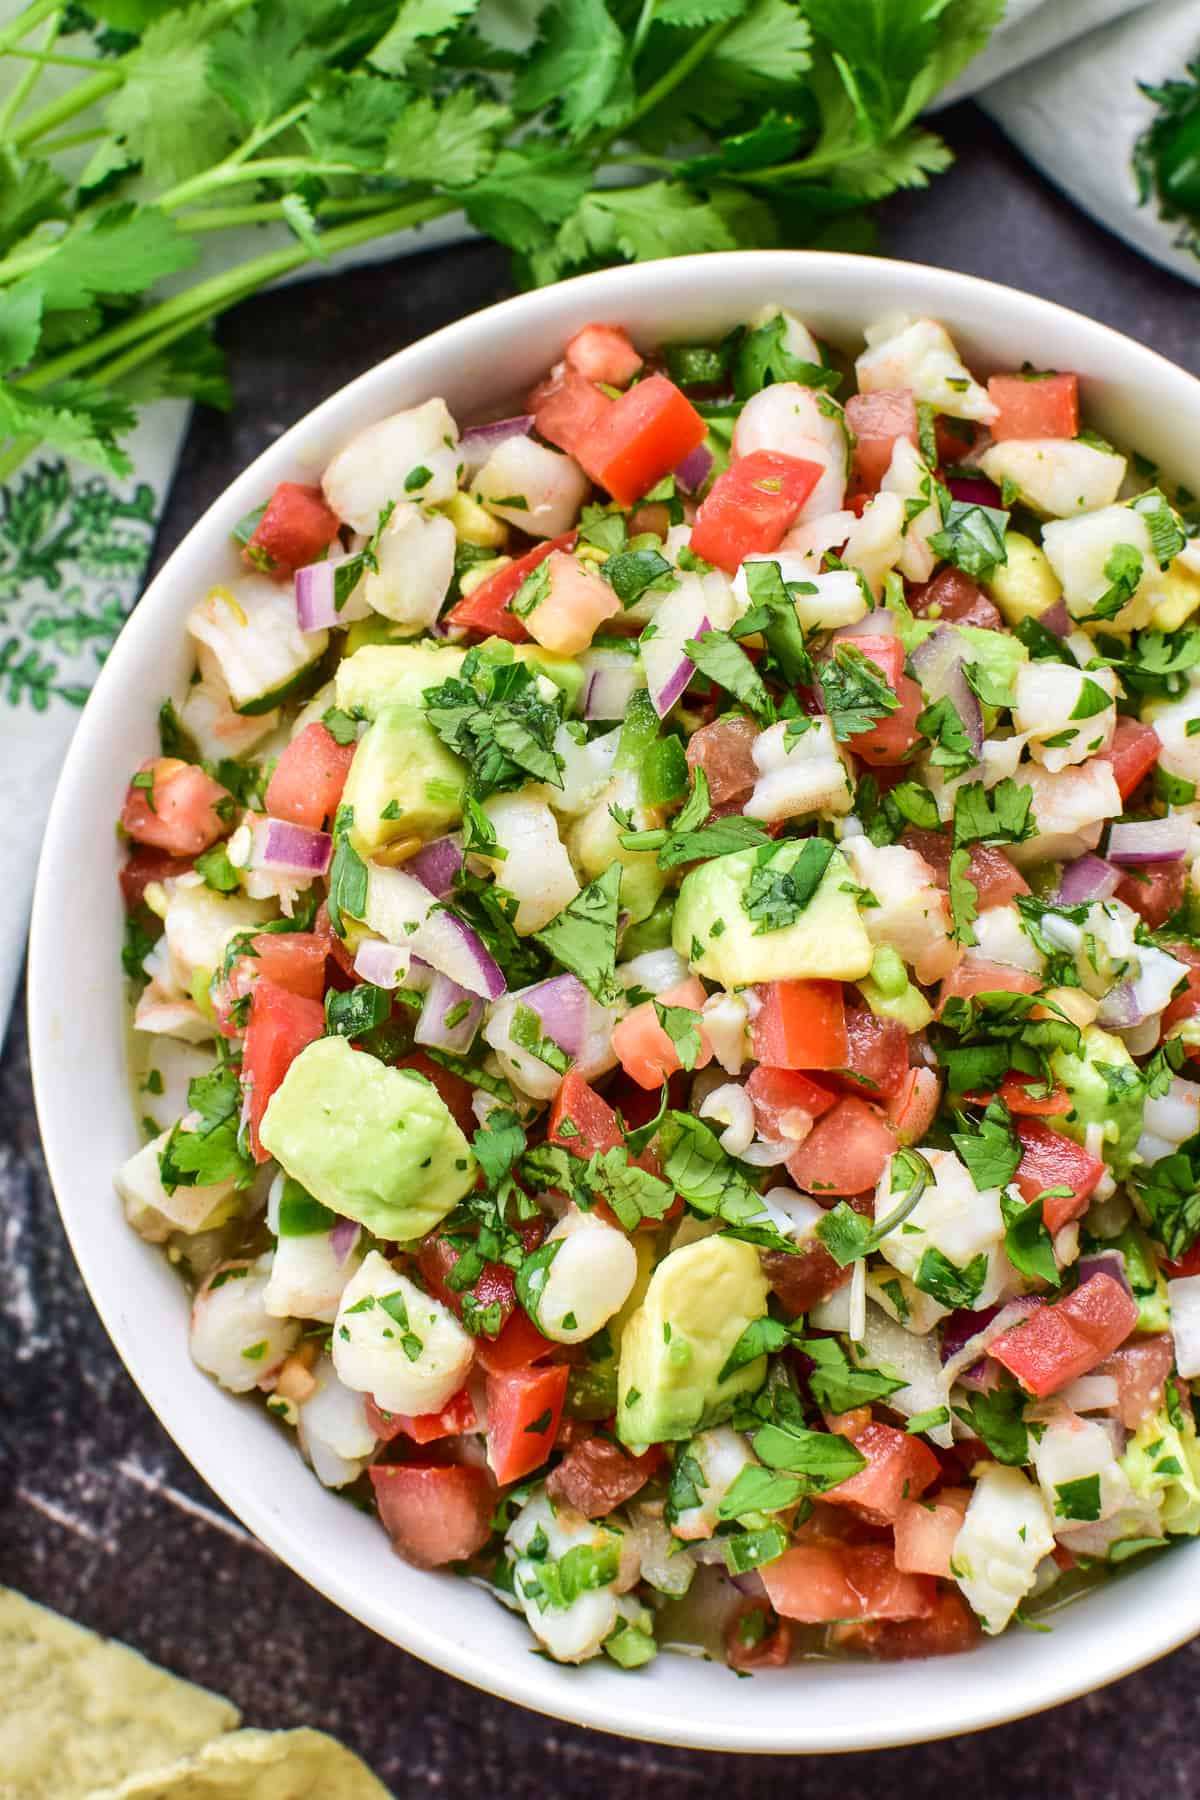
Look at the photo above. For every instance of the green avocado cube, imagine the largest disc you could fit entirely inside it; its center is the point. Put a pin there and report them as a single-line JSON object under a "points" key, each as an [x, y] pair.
{"points": [[373, 1143], [381, 675], [673, 1349], [713, 930], [403, 781]]}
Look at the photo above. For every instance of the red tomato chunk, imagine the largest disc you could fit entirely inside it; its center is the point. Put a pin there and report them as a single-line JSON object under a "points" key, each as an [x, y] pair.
{"points": [[1058, 1343], [306, 787], [948, 1628], [800, 1025], [750, 508], [523, 1410], [280, 1026], [878, 422], [899, 1469], [458, 1415], [565, 407], [434, 1514], [296, 528], [641, 437], [845, 1152], [597, 1475], [1035, 406], [486, 610], [176, 808], [822, 1582], [1050, 1160], [1133, 753]]}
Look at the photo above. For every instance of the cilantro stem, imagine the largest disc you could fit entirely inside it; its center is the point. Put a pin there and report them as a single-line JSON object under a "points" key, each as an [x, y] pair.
{"points": [[70, 139], [76, 100], [59, 59], [15, 455], [645, 20], [233, 166], [266, 168], [679, 71], [261, 212], [29, 80], [26, 21], [191, 307]]}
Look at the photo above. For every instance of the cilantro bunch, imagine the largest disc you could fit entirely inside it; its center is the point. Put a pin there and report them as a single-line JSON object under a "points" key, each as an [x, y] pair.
{"points": [[624, 129]]}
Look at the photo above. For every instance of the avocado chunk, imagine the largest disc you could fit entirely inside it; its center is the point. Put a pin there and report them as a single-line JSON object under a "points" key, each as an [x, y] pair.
{"points": [[713, 930], [699, 1301], [1106, 1089], [381, 675], [1025, 586], [594, 842], [373, 1143], [403, 782]]}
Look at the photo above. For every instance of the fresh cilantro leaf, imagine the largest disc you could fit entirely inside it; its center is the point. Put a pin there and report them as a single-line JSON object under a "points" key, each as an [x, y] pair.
{"points": [[1001, 818], [972, 538], [855, 692], [696, 1167], [998, 1419], [946, 1283], [680, 1025], [498, 1143], [952, 750], [632, 573], [1166, 533], [1123, 572], [208, 1152], [451, 143], [772, 611], [527, 1034], [347, 874], [1169, 1191], [495, 718], [837, 1384], [763, 358], [821, 1458], [415, 23], [578, 66], [359, 1010], [992, 1150], [847, 1235], [775, 897], [758, 1490], [716, 655], [583, 936], [760, 1338], [1079, 1499], [1026, 1240], [964, 898]]}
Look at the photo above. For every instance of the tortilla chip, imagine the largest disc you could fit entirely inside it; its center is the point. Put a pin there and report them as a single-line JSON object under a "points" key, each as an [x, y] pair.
{"points": [[78, 1711], [258, 1765]]}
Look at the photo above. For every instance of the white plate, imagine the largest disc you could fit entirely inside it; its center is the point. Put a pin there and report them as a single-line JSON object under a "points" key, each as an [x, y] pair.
{"points": [[88, 1124]]}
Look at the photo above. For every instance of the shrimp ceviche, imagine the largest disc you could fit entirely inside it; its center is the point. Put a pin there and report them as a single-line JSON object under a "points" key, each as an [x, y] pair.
{"points": [[667, 955]]}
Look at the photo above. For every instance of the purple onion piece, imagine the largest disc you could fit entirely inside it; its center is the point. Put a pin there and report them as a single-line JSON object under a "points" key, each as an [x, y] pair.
{"points": [[610, 688], [343, 1238], [1105, 1262], [445, 997], [478, 442], [1057, 619], [449, 944], [315, 609], [974, 490], [938, 664], [1149, 840], [383, 965], [676, 686], [1121, 1009], [962, 1326], [436, 866], [981, 1377], [562, 1005], [695, 469], [292, 849], [1087, 878]]}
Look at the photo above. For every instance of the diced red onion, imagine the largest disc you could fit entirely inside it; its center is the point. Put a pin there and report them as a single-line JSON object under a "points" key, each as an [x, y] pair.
{"points": [[436, 866], [443, 997], [315, 609], [383, 965], [1087, 878], [751, 1583], [449, 944], [1121, 1008], [967, 1349], [562, 1005], [695, 469], [974, 490], [877, 623], [1057, 619], [677, 683], [343, 1238], [477, 443], [287, 849], [1149, 840], [611, 686], [938, 664], [1105, 1262]]}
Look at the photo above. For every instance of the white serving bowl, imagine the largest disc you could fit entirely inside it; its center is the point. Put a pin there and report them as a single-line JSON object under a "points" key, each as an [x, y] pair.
{"points": [[88, 1124]]}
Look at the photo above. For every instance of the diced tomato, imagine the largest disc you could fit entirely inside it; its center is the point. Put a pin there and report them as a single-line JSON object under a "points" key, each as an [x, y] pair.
{"points": [[1015, 1091], [519, 1344], [603, 353], [877, 422], [800, 1025], [1186, 1004], [295, 529], [1133, 752], [994, 876], [306, 787], [486, 609], [640, 438], [523, 1410], [877, 1053], [590, 1122], [565, 407], [777, 1092], [1056, 1344], [926, 1530], [801, 1278], [725, 751], [976, 975], [750, 507], [434, 1513], [1155, 890], [845, 1152], [913, 1110], [1182, 1266], [294, 960], [454, 1091], [953, 595], [145, 865], [458, 1415], [755, 1638], [887, 653], [821, 1582], [1034, 406], [495, 1284], [643, 1046], [1141, 1369], [1051, 1160], [280, 1026], [178, 813], [948, 1629], [597, 1475], [889, 740], [899, 1468]]}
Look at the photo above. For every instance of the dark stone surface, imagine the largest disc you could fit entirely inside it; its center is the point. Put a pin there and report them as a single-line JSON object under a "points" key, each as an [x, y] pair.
{"points": [[101, 1517]]}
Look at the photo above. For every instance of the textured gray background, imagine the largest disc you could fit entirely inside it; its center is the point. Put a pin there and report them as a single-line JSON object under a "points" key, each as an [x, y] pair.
{"points": [[99, 1514]]}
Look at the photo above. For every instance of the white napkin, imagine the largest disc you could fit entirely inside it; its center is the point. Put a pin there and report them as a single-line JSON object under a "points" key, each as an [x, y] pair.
{"points": [[74, 543]]}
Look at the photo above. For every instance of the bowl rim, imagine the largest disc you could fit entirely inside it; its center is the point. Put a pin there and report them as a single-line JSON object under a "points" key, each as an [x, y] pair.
{"points": [[525, 1681]]}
